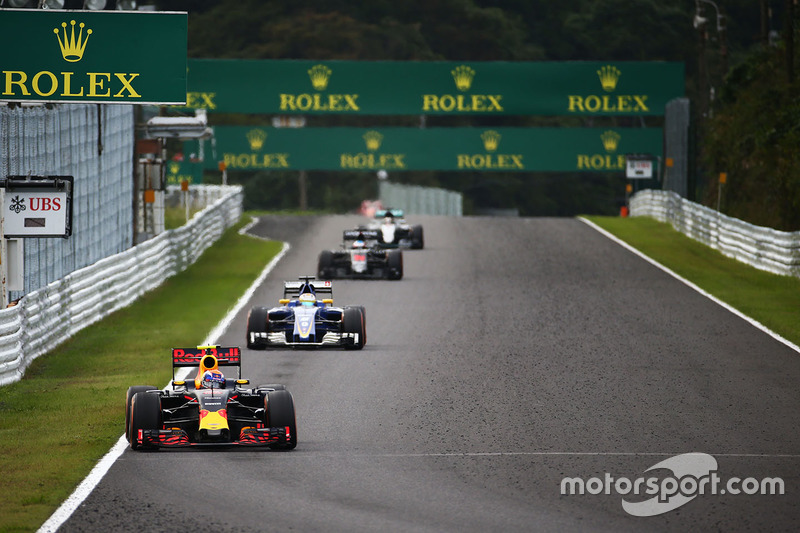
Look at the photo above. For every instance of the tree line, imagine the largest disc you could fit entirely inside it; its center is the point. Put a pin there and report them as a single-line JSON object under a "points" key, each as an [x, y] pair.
{"points": [[739, 58]]}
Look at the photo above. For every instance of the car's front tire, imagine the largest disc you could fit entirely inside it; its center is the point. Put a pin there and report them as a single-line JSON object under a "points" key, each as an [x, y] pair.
{"points": [[279, 406], [257, 320], [354, 321], [325, 265], [394, 260], [128, 399], [145, 415], [417, 238]]}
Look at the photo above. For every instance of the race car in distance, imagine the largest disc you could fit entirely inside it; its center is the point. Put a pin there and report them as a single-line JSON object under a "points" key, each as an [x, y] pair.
{"points": [[303, 320], [210, 409], [394, 231], [360, 258]]}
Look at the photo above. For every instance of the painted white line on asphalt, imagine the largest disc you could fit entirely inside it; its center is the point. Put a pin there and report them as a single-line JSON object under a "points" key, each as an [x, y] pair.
{"points": [[685, 281], [85, 488], [567, 454], [93, 479], [226, 322]]}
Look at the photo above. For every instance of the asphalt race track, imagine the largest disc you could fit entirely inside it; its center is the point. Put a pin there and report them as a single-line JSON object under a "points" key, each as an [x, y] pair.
{"points": [[513, 354]]}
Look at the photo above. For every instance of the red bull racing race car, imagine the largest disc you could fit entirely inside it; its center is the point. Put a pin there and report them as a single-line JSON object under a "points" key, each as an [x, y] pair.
{"points": [[210, 409]]}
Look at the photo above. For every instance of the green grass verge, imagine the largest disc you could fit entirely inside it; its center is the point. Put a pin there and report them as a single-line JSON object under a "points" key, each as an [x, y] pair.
{"points": [[175, 217], [771, 299], [68, 410]]}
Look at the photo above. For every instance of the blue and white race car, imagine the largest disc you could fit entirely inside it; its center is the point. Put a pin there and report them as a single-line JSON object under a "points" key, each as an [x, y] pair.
{"points": [[307, 318]]}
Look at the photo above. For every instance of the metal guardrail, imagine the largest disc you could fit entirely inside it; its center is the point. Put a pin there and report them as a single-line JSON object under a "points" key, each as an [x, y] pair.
{"points": [[45, 318], [763, 248], [95, 144], [418, 200]]}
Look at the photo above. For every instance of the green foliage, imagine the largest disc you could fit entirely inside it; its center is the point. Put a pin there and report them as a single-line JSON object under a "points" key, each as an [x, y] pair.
{"points": [[415, 30], [332, 192], [753, 137], [752, 134], [640, 30]]}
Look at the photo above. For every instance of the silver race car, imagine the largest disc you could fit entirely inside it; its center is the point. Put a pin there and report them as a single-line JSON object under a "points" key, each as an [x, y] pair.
{"points": [[395, 232]]}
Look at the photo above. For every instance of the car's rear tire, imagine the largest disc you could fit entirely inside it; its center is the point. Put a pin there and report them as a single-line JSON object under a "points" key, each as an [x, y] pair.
{"points": [[257, 320], [394, 260], [128, 399], [145, 414], [272, 386], [325, 265], [279, 406], [354, 321], [417, 238], [363, 320]]}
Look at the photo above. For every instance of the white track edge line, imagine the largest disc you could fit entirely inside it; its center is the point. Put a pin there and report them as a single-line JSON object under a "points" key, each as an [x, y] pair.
{"points": [[557, 454], [85, 488], [688, 283]]}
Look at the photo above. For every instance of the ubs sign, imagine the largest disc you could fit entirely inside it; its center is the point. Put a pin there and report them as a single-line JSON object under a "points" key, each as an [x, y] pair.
{"points": [[38, 206]]}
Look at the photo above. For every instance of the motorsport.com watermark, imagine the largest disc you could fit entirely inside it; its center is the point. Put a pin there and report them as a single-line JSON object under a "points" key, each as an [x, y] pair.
{"points": [[693, 474]]}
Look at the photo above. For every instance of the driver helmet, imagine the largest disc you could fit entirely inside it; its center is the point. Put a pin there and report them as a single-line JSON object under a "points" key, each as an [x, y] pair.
{"points": [[307, 299], [359, 244], [213, 379], [388, 220]]}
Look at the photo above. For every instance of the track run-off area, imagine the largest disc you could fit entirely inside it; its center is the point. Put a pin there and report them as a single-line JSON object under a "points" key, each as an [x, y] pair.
{"points": [[514, 353]]}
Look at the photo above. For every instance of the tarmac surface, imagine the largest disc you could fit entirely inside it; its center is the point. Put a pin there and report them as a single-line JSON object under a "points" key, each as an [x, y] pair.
{"points": [[513, 354]]}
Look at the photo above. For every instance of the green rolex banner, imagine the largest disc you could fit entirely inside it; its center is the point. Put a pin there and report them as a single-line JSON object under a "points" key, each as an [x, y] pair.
{"points": [[177, 172], [93, 56], [585, 88], [244, 148]]}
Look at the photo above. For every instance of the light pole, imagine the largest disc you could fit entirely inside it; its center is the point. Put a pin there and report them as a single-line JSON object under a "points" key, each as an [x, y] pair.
{"points": [[699, 22]]}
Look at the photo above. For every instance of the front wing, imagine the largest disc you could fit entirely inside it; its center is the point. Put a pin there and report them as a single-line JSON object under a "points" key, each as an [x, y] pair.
{"points": [[178, 438], [278, 339]]}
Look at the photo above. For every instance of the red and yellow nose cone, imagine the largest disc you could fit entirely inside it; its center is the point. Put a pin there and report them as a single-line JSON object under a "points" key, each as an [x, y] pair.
{"points": [[213, 419]]}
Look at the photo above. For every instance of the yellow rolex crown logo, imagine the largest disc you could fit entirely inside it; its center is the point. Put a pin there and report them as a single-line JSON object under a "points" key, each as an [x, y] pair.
{"points": [[72, 48], [610, 140], [373, 140], [174, 167], [463, 76], [609, 76], [256, 139], [319, 75], [491, 139]]}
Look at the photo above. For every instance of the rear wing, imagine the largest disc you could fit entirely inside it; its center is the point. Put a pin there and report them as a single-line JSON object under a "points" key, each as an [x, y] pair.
{"points": [[228, 356], [397, 213], [191, 357], [293, 289], [360, 234]]}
